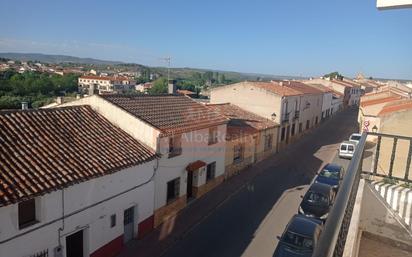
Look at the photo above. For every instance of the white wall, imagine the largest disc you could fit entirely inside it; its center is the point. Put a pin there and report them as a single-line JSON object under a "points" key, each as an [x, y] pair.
{"points": [[194, 147], [96, 219], [250, 98], [140, 130]]}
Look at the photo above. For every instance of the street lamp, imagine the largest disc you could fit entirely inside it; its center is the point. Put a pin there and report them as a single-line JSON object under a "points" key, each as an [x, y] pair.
{"points": [[374, 129]]}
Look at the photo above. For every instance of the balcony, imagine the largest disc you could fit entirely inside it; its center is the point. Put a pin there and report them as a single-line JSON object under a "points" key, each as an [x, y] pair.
{"points": [[372, 214], [297, 113], [285, 118]]}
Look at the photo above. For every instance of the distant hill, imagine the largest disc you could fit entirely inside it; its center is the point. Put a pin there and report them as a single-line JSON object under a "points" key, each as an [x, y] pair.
{"points": [[183, 73], [55, 59]]}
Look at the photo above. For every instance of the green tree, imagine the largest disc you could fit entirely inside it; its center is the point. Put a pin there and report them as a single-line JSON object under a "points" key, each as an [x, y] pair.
{"points": [[334, 75], [159, 86]]}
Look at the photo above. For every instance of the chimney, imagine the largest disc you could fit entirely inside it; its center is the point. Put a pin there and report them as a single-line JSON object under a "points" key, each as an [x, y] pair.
{"points": [[59, 100], [171, 87], [24, 105], [91, 89], [281, 83], [78, 96]]}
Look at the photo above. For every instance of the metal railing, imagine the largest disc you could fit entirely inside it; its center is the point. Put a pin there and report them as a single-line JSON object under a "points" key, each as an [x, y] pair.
{"points": [[285, 117], [389, 173], [297, 113], [44, 253], [332, 240]]}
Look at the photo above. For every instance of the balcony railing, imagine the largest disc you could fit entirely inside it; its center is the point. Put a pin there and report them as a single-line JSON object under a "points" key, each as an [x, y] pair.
{"points": [[44, 253], [333, 238], [297, 113], [285, 117]]}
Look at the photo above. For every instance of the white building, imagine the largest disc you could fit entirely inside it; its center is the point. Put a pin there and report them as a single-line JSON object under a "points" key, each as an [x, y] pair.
{"points": [[102, 85], [189, 137], [332, 100], [143, 87], [72, 184], [350, 90]]}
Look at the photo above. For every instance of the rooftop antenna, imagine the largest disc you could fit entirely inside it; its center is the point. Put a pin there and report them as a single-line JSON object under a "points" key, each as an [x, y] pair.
{"points": [[167, 59]]}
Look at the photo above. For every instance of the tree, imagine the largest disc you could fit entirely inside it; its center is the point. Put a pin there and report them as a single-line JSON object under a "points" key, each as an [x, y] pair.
{"points": [[159, 86], [334, 75]]}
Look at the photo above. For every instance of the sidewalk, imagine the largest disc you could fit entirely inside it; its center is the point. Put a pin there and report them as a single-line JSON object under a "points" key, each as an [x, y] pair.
{"points": [[162, 238]]}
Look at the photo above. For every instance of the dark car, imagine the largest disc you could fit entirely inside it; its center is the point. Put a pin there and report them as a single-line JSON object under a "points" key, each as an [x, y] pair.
{"points": [[299, 237], [331, 174], [317, 201]]}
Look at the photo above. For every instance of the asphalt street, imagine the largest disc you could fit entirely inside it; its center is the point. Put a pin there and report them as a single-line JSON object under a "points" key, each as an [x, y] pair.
{"points": [[247, 224]]}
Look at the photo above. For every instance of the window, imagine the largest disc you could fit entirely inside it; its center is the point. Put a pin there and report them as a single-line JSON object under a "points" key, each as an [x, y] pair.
{"points": [[307, 124], [173, 188], [210, 171], [268, 142], [238, 153], [27, 213], [175, 146], [282, 135], [113, 220], [293, 129], [212, 136], [300, 127]]}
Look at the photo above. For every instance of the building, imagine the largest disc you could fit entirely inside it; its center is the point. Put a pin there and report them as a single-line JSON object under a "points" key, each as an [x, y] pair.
{"points": [[350, 90], [101, 85], [72, 184], [372, 104], [249, 138], [332, 101], [296, 106], [189, 138], [144, 87]]}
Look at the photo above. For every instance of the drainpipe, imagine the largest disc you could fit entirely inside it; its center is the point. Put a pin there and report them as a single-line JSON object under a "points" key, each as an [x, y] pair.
{"points": [[61, 229]]}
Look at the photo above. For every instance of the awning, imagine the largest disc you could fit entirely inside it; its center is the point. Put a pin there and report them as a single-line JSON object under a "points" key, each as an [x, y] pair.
{"points": [[195, 165]]}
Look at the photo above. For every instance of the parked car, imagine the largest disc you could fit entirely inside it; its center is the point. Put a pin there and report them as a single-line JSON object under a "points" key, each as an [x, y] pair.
{"points": [[347, 149], [317, 201], [355, 137], [299, 238], [331, 174]]}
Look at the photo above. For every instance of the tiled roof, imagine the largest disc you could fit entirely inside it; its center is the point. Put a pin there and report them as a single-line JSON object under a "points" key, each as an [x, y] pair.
{"points": [[302, 87], [195, 165], [276, 88], [379, 101], [103, 78], [346, 83], [241, 121], [284, 88], [397, 106], [50, 149], [171, 114], [185, 92], [320, 87]]}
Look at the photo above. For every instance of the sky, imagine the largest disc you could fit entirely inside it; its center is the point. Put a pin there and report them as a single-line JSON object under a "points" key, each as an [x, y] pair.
{"points": [[289, 37]]}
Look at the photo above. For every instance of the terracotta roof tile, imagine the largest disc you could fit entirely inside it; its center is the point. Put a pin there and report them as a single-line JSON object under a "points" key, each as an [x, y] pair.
{"points": [[380, 101], [276, 88], [171, 114], [401, 105], [241, 122], [48, 149], [195, 165], [104, 78]]}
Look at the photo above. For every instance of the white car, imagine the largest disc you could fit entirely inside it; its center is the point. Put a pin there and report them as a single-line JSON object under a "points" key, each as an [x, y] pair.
{"points": [[347, 149], [355, 137]]}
